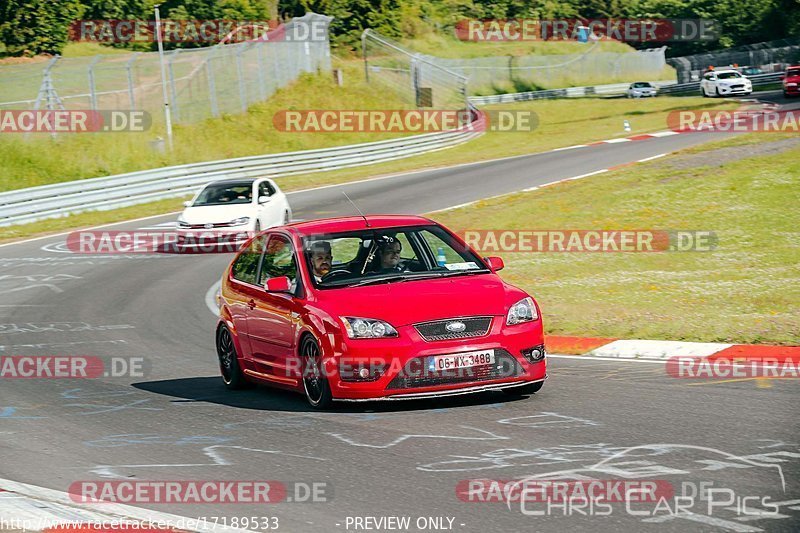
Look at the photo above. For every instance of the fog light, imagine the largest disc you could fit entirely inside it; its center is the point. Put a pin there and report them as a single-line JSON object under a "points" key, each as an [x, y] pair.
{"points": [[360, 371], [535, 354]]}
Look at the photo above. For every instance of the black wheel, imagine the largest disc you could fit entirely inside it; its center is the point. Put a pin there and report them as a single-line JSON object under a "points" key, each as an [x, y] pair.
{"points": [[315, 384], [703, 92], [717, 91], [228, 361], [524, 390]]}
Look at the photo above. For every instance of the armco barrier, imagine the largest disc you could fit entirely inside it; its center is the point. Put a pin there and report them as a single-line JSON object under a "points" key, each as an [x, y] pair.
{"points": [[613, 89], [62, 199], [664, 87], [758, 80]]}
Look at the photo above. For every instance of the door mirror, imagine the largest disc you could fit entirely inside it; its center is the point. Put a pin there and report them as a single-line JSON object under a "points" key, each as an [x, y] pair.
{"points": [[278, 284], [187, 203], [263, 199], [495, 263]]}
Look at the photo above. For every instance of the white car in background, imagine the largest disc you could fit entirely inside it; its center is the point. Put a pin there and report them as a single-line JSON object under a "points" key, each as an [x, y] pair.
{"points": [[235, 207], [641, 89], [725, 82]]}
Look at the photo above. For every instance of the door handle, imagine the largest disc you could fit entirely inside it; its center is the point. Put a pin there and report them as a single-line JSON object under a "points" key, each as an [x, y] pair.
{"points": [[251, 304]]}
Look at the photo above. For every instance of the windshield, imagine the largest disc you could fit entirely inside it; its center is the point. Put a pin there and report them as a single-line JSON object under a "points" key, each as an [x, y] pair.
{"points": [[225, 193], [728, 75], [641, 85], [793, 72], [387, 255]]}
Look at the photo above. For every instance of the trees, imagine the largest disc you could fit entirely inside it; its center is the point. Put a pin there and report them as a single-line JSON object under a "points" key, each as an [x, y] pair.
{"points": [[30, 27]]}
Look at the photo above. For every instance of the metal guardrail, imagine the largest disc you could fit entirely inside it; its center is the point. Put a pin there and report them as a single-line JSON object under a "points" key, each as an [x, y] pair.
{"points": [[664, 87], [612, 89], [62, 199], [694, 86]]}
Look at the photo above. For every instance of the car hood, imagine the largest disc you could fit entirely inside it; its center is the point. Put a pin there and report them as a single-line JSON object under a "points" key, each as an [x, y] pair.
{"points": [[215, 214], [409, 302], [792, 79]]}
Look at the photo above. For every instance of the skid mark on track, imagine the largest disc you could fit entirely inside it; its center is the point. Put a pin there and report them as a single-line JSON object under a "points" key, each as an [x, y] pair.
{"points": [[483, 435], [218, 455]]}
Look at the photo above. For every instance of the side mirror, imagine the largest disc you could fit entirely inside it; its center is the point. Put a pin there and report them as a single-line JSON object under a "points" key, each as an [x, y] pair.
{"points": [[278, 284], [263, 199], [495, 263], [187, 203]]}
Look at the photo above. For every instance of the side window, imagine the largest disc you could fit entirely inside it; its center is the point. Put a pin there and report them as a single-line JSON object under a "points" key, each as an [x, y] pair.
{"points": [[245, 268], [265, 188], [279, 260]]}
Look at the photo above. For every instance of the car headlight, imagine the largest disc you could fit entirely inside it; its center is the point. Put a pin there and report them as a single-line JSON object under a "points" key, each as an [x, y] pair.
{"points": [[522, 311], [240, 221], [367, 328]]}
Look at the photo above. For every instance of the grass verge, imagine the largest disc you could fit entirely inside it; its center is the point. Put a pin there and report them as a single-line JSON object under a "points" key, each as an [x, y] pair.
{"points": [[561, 123], [745, 290]]}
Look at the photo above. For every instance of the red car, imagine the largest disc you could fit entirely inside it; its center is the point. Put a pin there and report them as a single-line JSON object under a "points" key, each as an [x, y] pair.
{"points": [[380, 307], [791, 81]]}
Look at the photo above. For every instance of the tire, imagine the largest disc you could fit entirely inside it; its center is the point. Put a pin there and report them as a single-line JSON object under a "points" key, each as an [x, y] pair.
{"points": [[229, 368], [524, 390], [315, 384], [716, 90], [703, 92]]}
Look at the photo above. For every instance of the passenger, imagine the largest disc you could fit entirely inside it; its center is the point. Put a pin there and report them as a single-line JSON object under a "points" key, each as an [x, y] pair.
{"points": [[321, 259], [389, 249]]}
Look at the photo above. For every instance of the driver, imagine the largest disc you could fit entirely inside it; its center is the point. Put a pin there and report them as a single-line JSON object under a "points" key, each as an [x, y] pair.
{"points": [[321, 259]]}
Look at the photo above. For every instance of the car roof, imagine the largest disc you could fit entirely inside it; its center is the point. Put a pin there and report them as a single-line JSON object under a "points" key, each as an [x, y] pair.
{"points": [[355, 223], [231, 181], [723, 70]]}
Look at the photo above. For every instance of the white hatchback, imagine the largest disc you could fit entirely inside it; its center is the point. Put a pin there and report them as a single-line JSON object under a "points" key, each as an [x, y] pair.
{"points": [[641, 89], [236, 206], [725, 83]]}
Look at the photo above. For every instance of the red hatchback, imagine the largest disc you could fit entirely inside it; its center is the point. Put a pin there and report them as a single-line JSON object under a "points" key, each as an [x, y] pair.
{"points": [[791, 81], [377, 307]]}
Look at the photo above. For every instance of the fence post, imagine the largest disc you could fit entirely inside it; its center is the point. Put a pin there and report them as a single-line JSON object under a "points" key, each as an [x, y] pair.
{"points": [[92, 89], [262, 82], [212, 89], [129, 71], [240, 76], [173, 92], [364, 54]]}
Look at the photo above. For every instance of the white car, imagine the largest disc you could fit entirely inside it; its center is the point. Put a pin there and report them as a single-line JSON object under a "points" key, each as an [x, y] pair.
{"points": [[641, 89], [235, 207], [725, 83]]}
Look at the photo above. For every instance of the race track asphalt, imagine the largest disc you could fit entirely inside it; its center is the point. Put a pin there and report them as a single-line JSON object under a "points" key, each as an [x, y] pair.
{"points": [[388, 459]]}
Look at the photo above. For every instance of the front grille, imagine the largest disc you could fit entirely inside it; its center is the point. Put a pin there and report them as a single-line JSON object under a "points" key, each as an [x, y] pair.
{"points": [[477, 326], [416, 373], [734, 87], [203, 226]]}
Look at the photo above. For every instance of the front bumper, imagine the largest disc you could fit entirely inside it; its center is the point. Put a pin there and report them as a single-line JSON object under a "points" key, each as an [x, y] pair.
{"points": [[406, 358], [214, 239], [744, 89], [443, 393]]}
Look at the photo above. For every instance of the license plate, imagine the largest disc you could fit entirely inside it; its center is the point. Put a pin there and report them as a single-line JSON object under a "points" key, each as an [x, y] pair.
{"points": [[462, 360]]}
